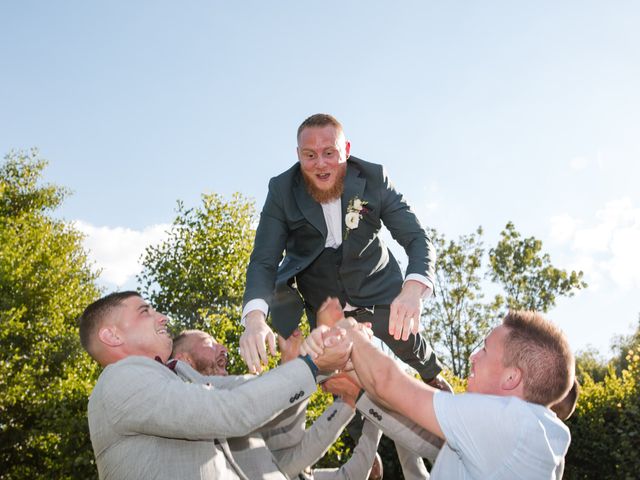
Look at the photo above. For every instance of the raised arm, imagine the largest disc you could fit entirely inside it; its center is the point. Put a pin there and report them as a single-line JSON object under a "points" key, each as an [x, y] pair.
{"points": [[383, 379]]}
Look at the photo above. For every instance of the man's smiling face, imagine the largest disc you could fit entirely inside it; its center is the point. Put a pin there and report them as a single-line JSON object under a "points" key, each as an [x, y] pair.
{"points": [[142, 330], [323, 153], [487, 364]]}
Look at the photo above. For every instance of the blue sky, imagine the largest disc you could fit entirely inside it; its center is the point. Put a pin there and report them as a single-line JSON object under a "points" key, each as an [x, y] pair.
{"points": [[481, 112]]}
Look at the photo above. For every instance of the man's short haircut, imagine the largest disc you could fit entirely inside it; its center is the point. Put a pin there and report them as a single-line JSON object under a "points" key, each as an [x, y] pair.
{"points": [[541, 351], [93, 316], [565, 407], [319, 120], [180, 342]]}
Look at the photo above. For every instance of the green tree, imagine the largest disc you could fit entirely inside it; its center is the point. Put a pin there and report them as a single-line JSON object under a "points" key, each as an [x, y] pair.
{"points": [[590, 363], [621, 345], [458, 318], [45, 282], [526, 274], [605, 427], [197, 275]]}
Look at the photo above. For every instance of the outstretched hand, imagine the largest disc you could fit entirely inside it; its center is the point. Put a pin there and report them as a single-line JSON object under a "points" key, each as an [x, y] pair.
{"points": [[290, 347], [336, 349], [252, 342], [406, 308]]}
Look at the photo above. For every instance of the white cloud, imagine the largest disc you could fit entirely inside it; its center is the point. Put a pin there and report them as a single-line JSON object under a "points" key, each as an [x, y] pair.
{"points": [[563, 227], [607, 247], [578, 163], [117, 250]]}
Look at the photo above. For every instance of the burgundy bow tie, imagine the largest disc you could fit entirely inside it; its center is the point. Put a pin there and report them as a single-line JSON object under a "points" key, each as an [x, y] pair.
{"points": [[171, 364]]}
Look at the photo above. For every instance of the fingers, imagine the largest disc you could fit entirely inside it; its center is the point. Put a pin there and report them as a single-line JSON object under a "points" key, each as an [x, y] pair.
{"points": [[313, 345], [334, 337], [249, 353], [403, 321], [271, 341], [252, 346]]}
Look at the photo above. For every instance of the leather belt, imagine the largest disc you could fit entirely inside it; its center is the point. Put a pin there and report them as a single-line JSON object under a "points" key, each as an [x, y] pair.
{"points": [[361, 310]]}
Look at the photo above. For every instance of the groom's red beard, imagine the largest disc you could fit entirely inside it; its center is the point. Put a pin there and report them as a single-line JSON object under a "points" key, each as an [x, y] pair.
{"points": [[324, 196]]}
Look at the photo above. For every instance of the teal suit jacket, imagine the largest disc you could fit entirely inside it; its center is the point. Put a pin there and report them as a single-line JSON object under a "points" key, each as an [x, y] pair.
{"points": [[292, 225]]}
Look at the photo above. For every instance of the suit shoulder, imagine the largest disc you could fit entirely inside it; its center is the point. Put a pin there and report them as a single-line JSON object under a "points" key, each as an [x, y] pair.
{"points": [[131, 366], [367, 169], [286, 178]]}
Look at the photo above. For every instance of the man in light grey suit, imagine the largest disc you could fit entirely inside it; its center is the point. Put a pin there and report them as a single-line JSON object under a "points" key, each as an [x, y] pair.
{"points": [[145, 421], [268, 446], [285, 442]]}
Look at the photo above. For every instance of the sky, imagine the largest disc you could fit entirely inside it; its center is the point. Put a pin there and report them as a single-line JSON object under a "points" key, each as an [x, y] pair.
{"points": [[482, 113]]}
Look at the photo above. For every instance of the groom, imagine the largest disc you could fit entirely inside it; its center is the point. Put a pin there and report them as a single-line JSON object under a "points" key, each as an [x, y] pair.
{"points": [[325, 214]]}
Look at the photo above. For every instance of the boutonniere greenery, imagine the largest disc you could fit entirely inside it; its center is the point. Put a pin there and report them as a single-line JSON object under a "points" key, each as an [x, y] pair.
{"points": [[355, 210]]}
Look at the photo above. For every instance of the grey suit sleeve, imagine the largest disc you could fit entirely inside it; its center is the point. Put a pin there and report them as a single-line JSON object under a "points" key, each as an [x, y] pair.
{"points": [[189, 374], [359, 465], [316, 440], [405, 228], [141, 396], [413, 467], [400, 429], [269, 245]]}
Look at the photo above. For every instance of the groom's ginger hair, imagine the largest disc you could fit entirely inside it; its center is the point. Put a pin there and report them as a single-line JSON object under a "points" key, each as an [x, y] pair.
{"points": [[320, 120]]}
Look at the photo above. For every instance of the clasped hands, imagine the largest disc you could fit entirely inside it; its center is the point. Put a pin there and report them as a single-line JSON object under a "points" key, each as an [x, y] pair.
{"points": [[403, 320]]}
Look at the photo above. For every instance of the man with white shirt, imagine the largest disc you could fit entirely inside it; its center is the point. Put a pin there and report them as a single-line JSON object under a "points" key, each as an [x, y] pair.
{"points": [[325, 214], [503, 427]]}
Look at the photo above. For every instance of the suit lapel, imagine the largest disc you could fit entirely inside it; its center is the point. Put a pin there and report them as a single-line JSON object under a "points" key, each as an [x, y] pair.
{"points": [[227, 452], [311, 209]]}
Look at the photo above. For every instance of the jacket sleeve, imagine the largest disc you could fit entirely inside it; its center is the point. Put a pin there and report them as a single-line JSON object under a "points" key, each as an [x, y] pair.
{"points": [[361, 461], [140, 396], [268, 248], [405, 228], [400, 429], [316, 440]]}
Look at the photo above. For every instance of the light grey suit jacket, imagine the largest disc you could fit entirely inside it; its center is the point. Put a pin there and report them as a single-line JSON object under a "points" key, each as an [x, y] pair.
{"points": [[400, 429], [283, 445], [147, 422], [359, 465]]}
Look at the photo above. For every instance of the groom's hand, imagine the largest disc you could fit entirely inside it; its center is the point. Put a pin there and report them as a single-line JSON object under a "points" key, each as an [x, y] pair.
{"points": [[404, 317], [252, 342]]}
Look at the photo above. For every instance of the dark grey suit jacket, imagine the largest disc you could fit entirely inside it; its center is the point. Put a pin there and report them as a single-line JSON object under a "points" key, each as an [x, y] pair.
{"points": [[292, 222]]}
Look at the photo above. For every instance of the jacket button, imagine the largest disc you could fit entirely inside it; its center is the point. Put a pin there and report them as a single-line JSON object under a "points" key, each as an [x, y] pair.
{"points": [[291, 400]]}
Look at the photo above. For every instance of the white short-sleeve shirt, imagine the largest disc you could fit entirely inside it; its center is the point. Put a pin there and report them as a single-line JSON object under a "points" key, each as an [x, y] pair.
{"points": [[491, 437]]}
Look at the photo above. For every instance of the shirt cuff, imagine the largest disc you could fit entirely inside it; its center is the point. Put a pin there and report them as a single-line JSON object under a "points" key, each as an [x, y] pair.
{"points": [[423, 280], [312, 366], [255, 304]]}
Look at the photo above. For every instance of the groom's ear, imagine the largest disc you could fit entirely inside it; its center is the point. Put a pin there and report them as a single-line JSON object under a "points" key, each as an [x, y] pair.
{"points": [[347, 149], [109, 336]]}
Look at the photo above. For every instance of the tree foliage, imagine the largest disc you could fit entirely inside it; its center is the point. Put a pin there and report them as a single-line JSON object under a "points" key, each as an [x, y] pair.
{"points": [[197, 275], [605, 428], [45, 282], [526, 274], [459, 318]]}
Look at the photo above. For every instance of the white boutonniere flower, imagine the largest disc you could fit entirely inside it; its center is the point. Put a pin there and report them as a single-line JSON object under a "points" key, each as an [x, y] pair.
{"points": [[355, 210]]}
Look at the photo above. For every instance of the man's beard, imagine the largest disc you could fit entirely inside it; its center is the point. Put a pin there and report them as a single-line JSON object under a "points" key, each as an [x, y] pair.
{"points": [[325, 196], [208, 368]]}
